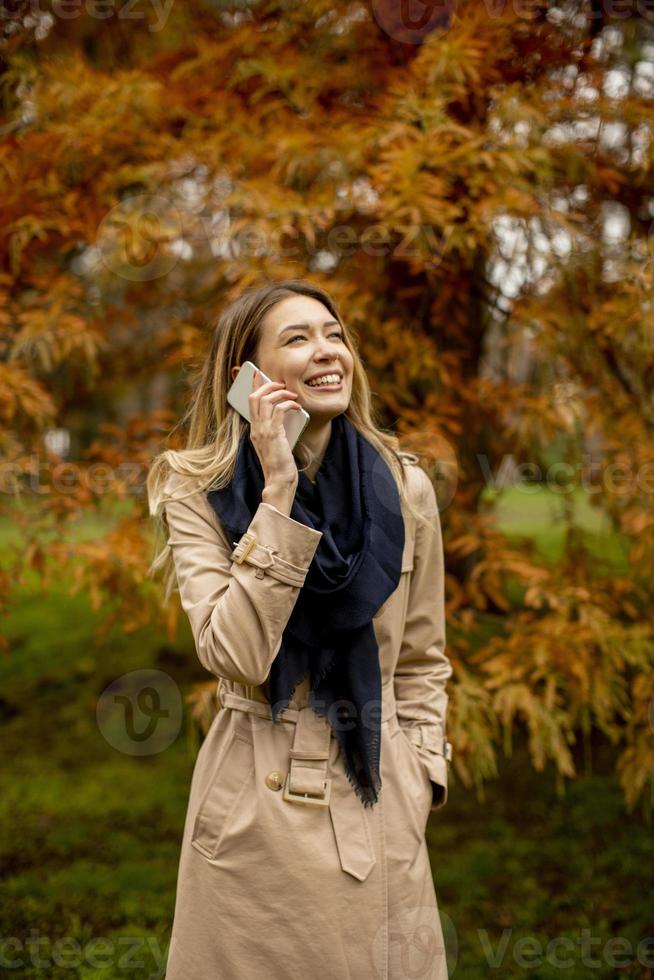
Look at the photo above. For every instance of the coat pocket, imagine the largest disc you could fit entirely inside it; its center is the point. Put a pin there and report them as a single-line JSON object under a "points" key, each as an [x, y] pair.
{"points": [[414, 777], [222, 797]]}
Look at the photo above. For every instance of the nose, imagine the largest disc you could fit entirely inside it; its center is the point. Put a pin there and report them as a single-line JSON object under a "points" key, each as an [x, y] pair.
{"points": [[329, 364], [327, 356]]}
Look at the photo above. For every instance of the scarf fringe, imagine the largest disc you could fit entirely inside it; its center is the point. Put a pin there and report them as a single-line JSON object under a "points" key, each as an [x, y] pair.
{"points": [[369, 795]]}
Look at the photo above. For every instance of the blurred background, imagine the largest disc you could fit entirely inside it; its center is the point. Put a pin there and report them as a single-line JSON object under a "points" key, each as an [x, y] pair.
{"points": [[473, 182]]}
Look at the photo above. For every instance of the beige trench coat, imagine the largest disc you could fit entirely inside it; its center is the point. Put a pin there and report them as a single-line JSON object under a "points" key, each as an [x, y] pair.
{"points": [[283, 872]]}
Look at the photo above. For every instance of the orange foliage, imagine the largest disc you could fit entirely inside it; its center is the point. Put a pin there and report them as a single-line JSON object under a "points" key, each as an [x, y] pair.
{"points": [[449, 190]]}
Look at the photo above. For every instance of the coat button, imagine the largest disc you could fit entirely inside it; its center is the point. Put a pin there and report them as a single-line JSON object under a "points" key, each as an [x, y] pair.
{"points": [[275, 779]]}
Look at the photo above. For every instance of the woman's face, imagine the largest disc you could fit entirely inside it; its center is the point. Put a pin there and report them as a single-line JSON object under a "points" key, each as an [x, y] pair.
{"points": [[299, 340]]}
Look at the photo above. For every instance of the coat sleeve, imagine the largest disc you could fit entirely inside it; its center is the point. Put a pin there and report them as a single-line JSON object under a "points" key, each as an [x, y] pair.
{"points": [[423, 668], [238, 596]]}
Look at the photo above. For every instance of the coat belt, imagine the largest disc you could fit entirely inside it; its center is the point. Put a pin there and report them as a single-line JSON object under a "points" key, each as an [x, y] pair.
{"points": [[307, 781]]}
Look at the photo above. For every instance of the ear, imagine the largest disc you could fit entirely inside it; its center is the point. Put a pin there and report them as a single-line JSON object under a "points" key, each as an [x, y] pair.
{"points": [[235, 371]]}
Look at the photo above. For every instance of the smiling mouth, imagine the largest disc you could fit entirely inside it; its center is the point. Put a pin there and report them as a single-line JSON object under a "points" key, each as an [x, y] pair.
{"points": [[330, 387]]}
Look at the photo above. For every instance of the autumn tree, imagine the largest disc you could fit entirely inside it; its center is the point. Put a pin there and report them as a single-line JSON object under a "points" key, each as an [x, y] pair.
{"points": [[475, 189]]}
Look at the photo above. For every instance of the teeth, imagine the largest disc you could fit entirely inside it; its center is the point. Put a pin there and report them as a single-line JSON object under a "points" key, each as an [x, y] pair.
{"points": [[325, 379]]}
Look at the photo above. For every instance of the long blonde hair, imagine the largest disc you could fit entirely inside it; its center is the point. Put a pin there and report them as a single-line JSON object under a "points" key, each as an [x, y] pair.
{"points": [[215, 428]]}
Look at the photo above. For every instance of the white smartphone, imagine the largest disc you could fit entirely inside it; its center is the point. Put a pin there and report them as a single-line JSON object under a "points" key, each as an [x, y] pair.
{"points": [[294, 421]]}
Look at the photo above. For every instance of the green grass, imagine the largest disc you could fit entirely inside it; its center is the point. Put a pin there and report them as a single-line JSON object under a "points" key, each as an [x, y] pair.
{"points": [[546, 519], [544, 516], [525, 870], [90, 836]]}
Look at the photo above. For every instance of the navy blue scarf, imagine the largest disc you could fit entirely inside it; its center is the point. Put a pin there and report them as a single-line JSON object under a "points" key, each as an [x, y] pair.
{"points": [[356, 567]]}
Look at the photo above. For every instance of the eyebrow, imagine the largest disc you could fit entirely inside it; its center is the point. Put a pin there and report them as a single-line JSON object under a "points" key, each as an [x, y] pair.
{"points": [[306, 326]]}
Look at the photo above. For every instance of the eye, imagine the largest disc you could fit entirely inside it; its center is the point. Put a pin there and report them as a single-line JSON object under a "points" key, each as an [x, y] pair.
{"points": [[335, 333]]}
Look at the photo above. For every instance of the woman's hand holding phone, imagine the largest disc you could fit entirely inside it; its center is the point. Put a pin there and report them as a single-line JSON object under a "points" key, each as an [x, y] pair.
{"points": [[267, 405]]}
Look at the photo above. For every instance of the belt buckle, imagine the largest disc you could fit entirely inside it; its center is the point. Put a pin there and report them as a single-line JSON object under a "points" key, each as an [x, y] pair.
{"points": [[307, 798]]}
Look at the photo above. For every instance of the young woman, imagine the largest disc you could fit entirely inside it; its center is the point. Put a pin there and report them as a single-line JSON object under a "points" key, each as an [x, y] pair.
{"points": [[313, 583]]}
